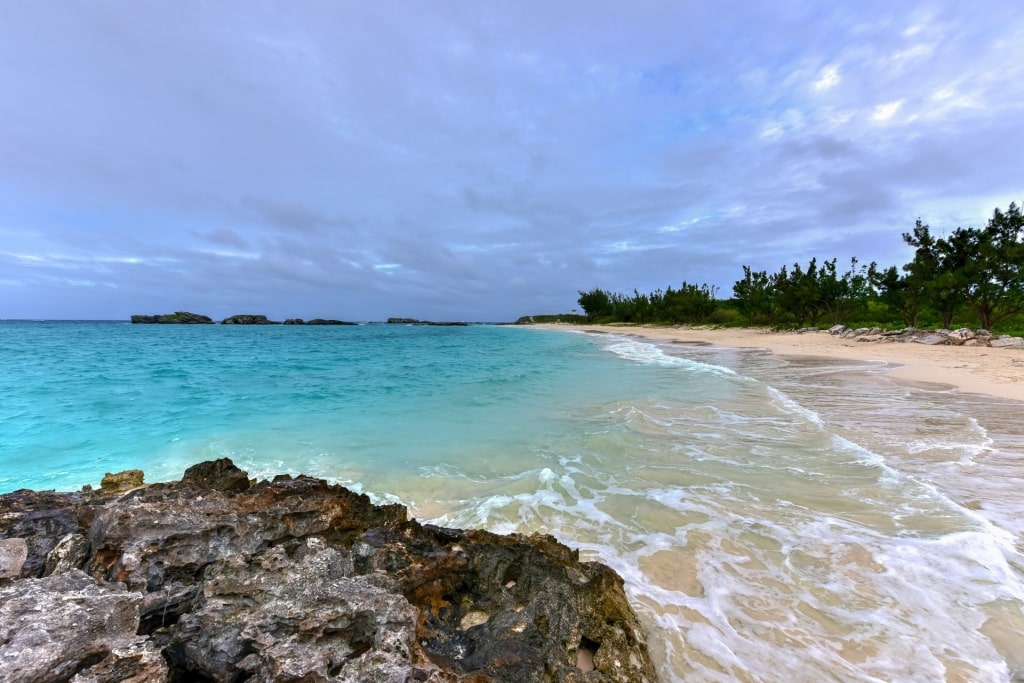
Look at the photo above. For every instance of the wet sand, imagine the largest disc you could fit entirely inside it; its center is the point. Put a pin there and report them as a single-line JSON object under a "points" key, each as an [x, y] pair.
{"points": [[972, 369]]}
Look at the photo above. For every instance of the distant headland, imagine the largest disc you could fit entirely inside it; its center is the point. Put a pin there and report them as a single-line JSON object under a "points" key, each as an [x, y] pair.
{"points": [[187, 318]]}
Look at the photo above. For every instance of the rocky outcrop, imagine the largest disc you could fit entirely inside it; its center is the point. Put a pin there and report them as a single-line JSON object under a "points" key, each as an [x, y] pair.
{"points": [[959, 337], [69, 627], [179, 318], [220, 578], [247, 320], [327, 321]]}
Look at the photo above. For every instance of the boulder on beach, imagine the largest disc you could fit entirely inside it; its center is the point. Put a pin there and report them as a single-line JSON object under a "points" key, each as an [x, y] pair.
{"points": [[218, 578]]}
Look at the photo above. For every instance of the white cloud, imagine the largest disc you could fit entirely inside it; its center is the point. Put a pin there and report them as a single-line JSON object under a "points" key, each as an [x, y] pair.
{"points": [[828, 78], [884, 112], [919, 51]]}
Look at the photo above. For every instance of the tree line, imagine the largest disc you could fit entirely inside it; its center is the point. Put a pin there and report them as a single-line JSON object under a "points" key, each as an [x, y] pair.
{"points": [[972, 275]]}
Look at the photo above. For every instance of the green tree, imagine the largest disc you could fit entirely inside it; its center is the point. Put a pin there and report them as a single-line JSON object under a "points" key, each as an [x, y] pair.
{"points": [[989, 265], [901, 294], [938, 270], [755, 296], [798, 294], [595, 303], [690, 303]]}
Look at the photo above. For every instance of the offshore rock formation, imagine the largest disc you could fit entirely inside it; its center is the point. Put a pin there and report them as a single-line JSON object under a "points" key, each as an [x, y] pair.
{"points": [[179, 318], [247, 320], [316, 321], [414, 321], [217, 578]]}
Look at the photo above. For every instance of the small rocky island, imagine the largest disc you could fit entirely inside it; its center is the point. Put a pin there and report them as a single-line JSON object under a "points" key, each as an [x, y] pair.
{"points": [[186, 318], [414, 321], [220, 578], [178, 318]]}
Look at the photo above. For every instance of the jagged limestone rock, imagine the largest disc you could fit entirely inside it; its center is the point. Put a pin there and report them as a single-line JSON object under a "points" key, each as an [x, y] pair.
{"points": [[296, 579]]}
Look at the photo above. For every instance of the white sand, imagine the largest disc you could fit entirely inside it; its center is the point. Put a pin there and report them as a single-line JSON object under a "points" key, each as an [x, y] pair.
{"points": [[980, 370]]}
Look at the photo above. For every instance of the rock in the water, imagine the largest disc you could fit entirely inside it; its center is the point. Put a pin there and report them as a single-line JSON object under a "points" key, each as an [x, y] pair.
{"points": [[328, 321], [414, 321], [294, 321], [179, 318], [296, 579], [247, 320]]}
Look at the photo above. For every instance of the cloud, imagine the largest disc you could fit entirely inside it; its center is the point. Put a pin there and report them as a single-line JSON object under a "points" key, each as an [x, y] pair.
{"points": [[478, 161], [884, 112], [828, 78]]}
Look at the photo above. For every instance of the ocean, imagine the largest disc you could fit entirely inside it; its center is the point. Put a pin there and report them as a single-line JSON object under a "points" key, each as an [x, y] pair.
{"points": [[774, 518]]}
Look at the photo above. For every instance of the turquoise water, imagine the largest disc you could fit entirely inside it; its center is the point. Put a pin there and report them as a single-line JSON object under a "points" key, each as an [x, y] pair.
{"points": [[82, 399], [768, 515]]}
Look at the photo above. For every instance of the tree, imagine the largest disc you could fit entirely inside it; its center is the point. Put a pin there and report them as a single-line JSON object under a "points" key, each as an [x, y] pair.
{"points": [[595, 303], [755, 296], [990, 265], [936, 271], [900, 293], [839, 294], [798, 294], [690, 303]]}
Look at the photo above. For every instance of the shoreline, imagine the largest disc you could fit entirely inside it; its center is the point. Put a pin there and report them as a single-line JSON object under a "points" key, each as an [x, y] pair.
{"points": [[994, 372]]}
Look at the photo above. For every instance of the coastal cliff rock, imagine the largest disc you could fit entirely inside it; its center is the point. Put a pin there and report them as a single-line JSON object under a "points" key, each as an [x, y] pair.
{"points": [[179, 318], [218, 578]]}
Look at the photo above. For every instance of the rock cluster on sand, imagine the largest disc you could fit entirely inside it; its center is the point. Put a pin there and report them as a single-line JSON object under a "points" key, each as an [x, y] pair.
{"points": [[959, 337], [216, 578]]}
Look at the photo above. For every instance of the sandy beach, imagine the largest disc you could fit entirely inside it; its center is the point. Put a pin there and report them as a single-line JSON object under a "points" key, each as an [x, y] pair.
{"points": [[979, 370]]}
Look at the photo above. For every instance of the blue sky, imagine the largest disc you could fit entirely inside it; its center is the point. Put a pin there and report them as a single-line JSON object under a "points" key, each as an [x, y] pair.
{"points": [[482, 160]]}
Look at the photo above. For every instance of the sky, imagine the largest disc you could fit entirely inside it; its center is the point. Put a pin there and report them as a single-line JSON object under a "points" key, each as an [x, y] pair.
{"points": [[482, 160]]}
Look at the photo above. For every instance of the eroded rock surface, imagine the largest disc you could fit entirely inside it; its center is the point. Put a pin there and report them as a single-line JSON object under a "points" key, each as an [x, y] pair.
{"points": [[216, 578]]}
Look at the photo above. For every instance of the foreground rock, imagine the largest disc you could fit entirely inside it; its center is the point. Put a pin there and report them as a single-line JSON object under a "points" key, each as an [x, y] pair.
{"points": [[217, 578], [179, 318]]}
